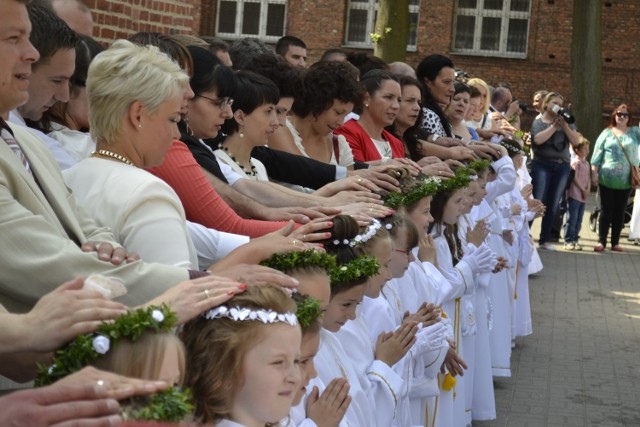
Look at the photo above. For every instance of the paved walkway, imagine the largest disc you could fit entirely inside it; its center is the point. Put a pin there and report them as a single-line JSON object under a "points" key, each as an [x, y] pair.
{"points": [[581, 366]]}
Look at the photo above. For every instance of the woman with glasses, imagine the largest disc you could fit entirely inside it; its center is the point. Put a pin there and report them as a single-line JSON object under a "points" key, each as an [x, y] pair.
{"points": [[615, 150], [551, 136]]}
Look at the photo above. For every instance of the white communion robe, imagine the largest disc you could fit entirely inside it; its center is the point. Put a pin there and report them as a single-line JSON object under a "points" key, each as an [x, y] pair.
{"points": [[521, 320], [500, 292], [385, 389], [483, 402], [408, 293], [461, 276], [331, 362], [468, 326]]}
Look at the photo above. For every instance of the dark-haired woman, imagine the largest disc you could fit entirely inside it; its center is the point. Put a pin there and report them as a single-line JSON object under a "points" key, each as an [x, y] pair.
{"points": [[410, 106], [437, 74], [457, 110], [212, 85], [331, 90], [367, 137], [254, 121], [615, 150]]}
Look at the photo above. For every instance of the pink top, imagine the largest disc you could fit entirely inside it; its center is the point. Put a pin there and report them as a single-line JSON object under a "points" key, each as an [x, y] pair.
{"points": [[583, 176], [201, 201]]}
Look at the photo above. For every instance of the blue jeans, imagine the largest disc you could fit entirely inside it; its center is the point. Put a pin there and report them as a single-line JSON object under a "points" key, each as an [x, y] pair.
{"points": [[549, 181], [575, 212]]}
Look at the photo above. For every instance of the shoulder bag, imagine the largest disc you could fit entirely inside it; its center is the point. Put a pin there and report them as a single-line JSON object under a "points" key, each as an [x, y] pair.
{"points": [[634, 176]]}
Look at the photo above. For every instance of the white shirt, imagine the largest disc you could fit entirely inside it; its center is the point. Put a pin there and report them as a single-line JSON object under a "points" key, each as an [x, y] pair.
{"points": [[63, 158]]}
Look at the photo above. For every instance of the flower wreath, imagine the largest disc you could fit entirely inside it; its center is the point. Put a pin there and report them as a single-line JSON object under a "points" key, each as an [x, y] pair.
{"points": [[430, 186], [479, 165], [359, 268], [289, 261], [308, 311], [169, 405], [461, 179]]}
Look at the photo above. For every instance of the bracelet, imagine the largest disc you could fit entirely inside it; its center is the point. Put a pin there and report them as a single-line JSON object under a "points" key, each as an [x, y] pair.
{"points": [[434, 137]]}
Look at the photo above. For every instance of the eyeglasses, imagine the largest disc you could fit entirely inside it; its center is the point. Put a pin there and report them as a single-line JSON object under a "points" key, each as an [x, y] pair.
{"points": [[218, 102], [619, 114]]}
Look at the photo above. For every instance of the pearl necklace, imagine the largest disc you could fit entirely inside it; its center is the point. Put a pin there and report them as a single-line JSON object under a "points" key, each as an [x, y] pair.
{"points": [[107, 153], [226, 150]]}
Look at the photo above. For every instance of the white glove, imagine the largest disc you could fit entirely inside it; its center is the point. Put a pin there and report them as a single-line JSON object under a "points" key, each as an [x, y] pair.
{"points": [[431, 338], [482, 260]]}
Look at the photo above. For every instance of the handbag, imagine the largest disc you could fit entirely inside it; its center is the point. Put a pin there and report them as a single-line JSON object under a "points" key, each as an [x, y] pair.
{"points": [[634, 175]]}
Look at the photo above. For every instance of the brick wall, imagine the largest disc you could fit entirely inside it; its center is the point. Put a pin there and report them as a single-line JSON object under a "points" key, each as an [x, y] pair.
{"points": [[119, 18], [322, 25]]}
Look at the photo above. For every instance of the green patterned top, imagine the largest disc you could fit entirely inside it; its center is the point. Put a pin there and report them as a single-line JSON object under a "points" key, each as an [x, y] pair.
{"points": [[613, 167]]}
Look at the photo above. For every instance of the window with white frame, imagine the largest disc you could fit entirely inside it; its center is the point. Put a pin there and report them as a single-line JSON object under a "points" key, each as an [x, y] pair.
{"points": [[264, 19], [361, 22], [492, 27]]}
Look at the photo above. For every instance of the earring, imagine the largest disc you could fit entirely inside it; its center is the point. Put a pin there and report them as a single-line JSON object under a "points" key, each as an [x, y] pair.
{"points": [[241, 134], [366, 105], [139, 125]]}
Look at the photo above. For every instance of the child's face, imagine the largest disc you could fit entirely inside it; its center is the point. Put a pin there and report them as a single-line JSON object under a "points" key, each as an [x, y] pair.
{"points": [[382, 252], [308, 350], [583, 151], [517, 161], [420, 215], [271, 377], [342, 308], [401, 255], [453, 207], [469, 197], [481, 191], [315, 285], [170, 370]]}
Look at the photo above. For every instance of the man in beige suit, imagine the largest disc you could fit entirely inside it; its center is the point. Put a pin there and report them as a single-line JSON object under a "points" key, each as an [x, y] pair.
{"points": [[42, 229]]}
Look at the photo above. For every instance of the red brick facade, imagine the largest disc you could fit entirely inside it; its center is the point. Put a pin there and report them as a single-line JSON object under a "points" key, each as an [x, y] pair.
{"points": [[119, 18], [322, 25]]}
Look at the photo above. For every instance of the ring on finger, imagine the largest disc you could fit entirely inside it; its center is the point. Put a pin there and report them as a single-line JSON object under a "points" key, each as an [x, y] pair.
{"points": [[359, 180], [304, 237], [206, 294], [294, 242], [100, 383]]}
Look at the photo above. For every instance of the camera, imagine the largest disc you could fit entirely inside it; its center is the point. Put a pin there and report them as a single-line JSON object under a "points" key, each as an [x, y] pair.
{"points": [[564, 113], [523, 106]]}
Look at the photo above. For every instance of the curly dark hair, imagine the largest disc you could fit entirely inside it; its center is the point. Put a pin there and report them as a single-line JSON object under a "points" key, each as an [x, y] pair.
{"points": [[323, 83]]}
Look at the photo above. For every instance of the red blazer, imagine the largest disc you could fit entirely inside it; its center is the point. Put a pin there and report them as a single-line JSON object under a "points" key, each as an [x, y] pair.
{"points": [[362, 147]]}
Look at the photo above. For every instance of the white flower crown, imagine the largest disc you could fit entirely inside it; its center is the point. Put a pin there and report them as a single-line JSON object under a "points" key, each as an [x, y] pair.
{"points": [[371, 231], [240, 314]]}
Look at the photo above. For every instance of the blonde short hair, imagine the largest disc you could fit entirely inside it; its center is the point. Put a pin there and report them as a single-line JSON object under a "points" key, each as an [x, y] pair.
{"points": [[123, 74], [477, 82], [144, 357]]}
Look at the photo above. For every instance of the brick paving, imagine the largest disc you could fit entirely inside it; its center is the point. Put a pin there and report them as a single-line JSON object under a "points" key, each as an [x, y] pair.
{"points": [[581, 366]]}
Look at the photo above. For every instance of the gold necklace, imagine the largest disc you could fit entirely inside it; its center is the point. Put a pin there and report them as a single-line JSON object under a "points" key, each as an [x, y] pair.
{"points": [[107, 153]]}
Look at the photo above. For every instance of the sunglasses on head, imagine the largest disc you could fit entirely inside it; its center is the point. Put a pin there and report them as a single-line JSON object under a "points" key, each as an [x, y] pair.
{"points": [[619, 114]]}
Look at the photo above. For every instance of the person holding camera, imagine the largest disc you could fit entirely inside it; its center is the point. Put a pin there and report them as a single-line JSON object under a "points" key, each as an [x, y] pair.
{"points": [[551, 134], [615, 152]]}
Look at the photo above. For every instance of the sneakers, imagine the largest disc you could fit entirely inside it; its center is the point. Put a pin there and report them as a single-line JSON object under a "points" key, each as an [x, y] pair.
{"points": [[598, 248], [617, 248], [547, 246], [578, 246], [570, 246]]}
